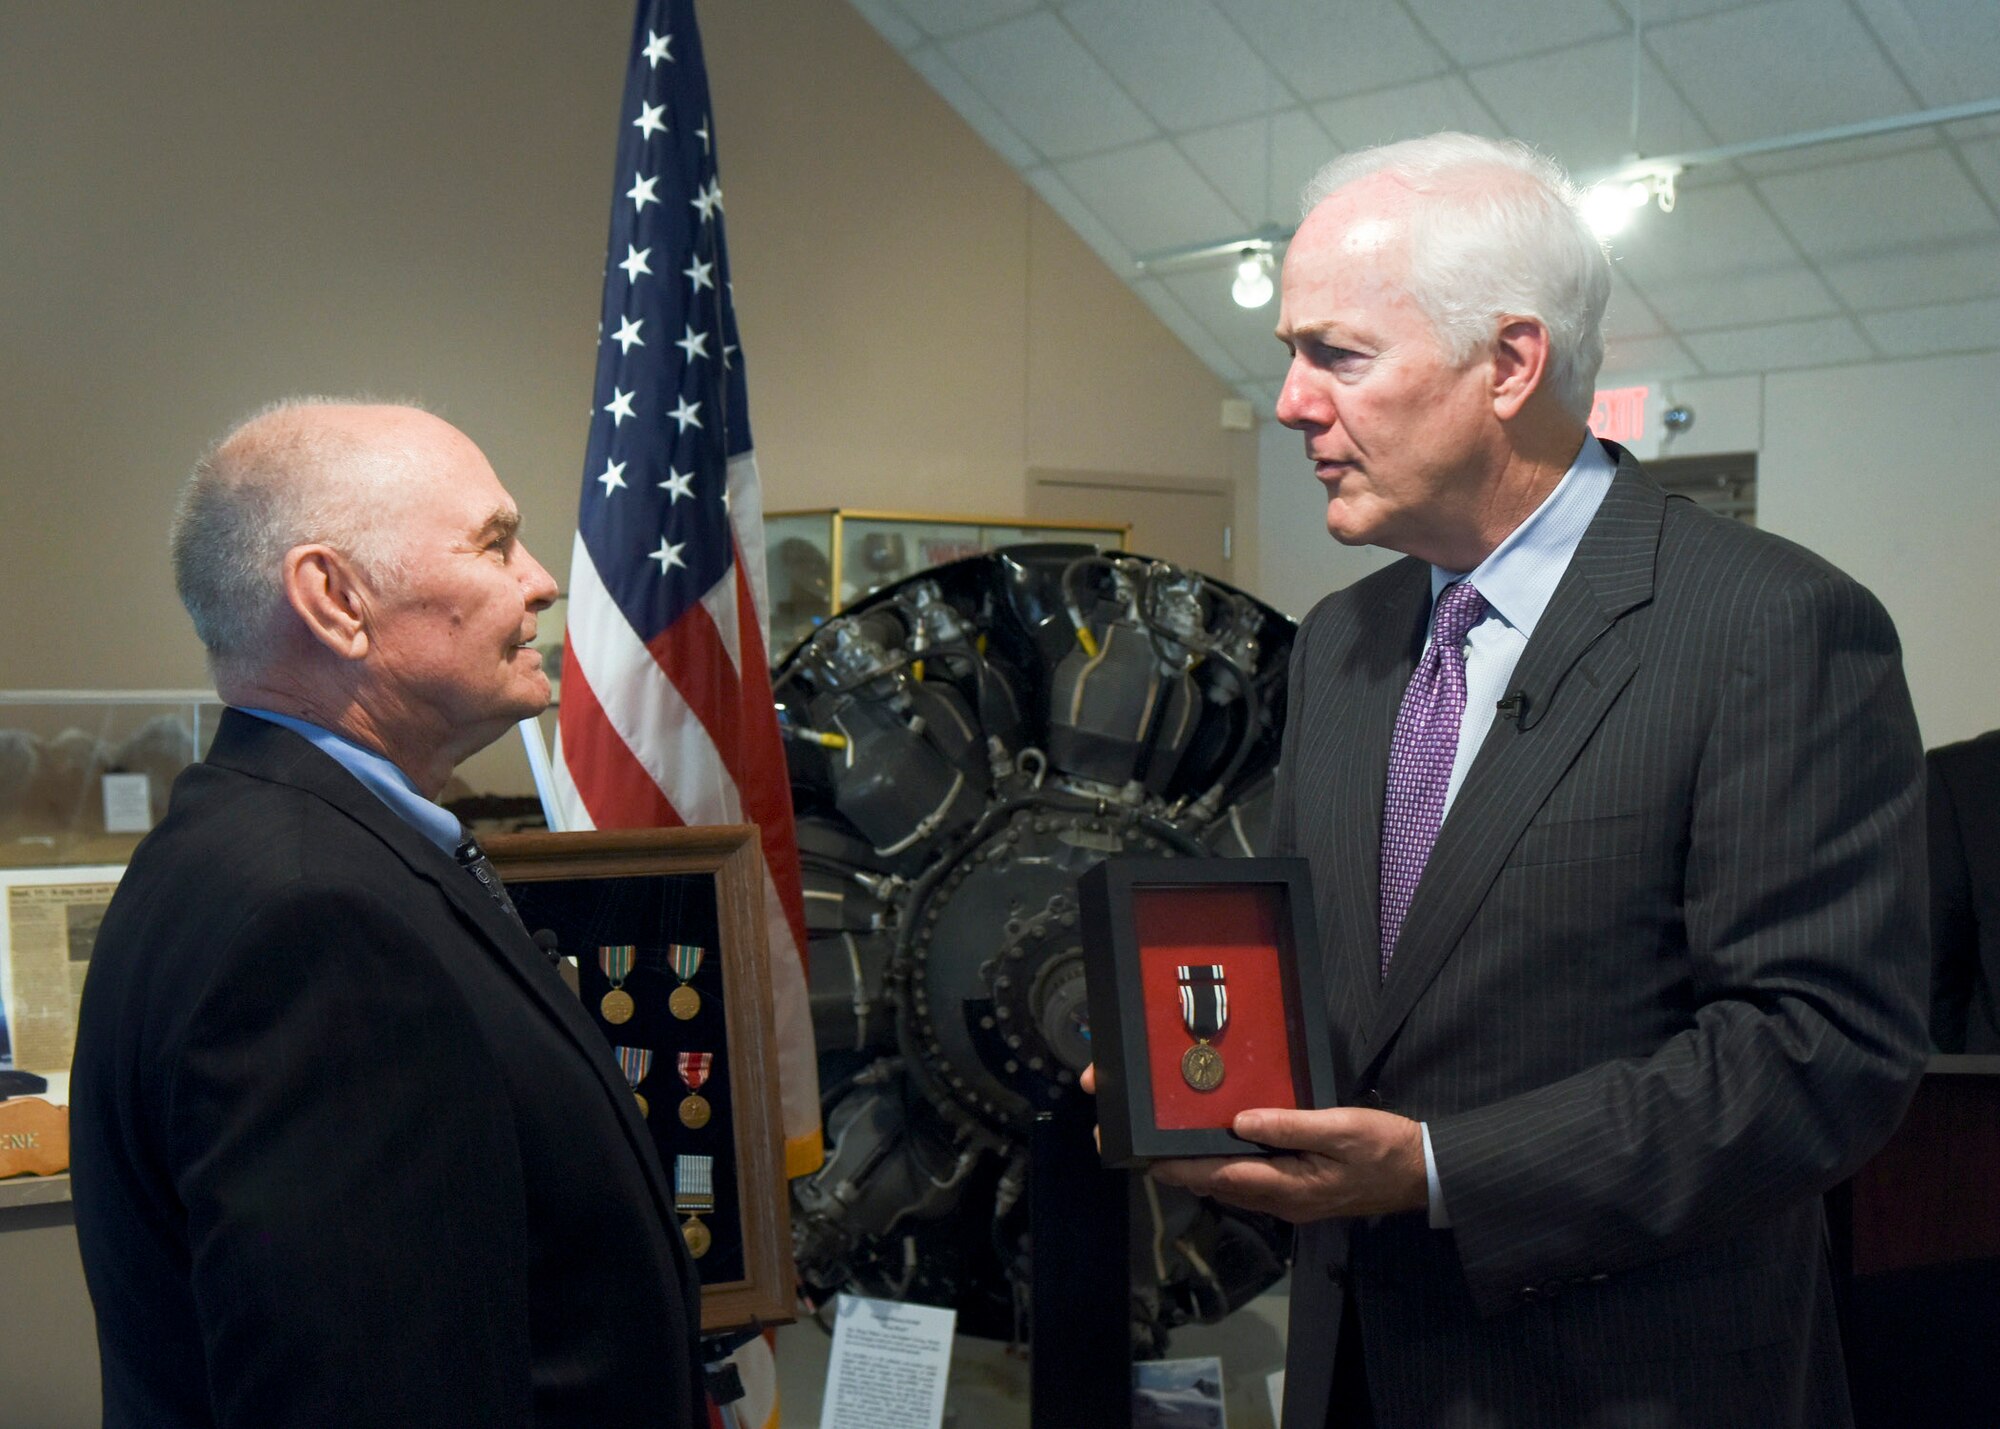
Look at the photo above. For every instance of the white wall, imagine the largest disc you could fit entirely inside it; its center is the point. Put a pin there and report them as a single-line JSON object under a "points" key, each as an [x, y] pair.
{"points": [[1886, 469]]}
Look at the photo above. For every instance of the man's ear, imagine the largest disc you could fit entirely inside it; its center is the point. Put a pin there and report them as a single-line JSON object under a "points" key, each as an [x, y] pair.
{"points": [[1520, 362], [324, 590]]}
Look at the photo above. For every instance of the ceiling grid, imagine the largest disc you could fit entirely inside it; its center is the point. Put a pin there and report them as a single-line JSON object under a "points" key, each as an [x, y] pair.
{"points": [[1154, 124]]}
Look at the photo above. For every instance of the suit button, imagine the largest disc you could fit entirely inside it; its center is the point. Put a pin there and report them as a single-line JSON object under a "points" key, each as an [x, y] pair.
{"points": [[1337, 1274], [1598, 1279], [1373, 1097], [1529, 1292]]}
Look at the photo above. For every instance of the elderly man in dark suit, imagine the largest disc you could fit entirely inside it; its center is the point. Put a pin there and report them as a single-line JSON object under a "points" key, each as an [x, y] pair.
{"points": [[346, 1150], [1613, 808]]}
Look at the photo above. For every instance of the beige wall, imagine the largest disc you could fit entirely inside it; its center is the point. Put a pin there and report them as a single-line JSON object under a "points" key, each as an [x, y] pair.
{"points": [[209, 204]]}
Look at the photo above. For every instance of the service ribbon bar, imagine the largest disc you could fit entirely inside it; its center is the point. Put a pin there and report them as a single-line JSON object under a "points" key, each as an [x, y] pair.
{"points": [[635, 1063], [694, 1185], [1204, 999], [686, 959], [616, 960]]}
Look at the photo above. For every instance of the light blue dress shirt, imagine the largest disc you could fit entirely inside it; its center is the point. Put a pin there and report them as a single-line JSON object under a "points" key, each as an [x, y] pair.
{"points": [[1518, 580], [380, 777]]}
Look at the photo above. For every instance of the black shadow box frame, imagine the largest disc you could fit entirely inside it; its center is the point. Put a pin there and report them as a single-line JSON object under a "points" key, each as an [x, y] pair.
{"points": [[709, 884], [1126, 1107]]}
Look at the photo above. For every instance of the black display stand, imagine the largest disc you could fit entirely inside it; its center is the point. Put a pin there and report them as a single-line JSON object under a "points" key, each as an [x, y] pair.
{"points": [[1080, 1326], [1916, 1251]]}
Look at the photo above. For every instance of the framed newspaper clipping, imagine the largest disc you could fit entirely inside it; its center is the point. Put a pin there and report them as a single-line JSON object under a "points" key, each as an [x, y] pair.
{"points": [[666, 927]]}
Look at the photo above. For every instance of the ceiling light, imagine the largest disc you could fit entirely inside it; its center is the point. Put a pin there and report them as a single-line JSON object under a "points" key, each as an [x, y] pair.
{"points": [[1252, 288]]}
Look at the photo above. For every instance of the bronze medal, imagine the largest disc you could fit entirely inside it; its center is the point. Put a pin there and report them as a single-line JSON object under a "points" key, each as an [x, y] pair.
{"points": [[684, 1002], [644, 1108], [616, 1006], [697, 1237], [1201, 1067], [695, 1112]]}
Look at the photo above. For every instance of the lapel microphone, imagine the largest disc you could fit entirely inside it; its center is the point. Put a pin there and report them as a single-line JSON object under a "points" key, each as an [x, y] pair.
{"points": [[1514, 706]]}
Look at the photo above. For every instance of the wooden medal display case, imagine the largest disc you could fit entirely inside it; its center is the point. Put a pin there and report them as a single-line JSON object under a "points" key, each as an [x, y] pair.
{"points": [[650, 889]]}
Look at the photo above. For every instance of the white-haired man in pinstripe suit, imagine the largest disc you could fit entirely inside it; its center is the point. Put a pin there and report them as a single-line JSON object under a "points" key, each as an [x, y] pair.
{"points": [[1619, 884]]}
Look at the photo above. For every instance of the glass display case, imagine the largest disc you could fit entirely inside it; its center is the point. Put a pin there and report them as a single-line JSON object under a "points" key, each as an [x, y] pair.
{"points": [[821, 561], [85, 773]]}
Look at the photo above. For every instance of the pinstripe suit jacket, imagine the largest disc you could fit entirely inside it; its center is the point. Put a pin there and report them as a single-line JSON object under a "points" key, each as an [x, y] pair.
{"points": [[1662, 983]]}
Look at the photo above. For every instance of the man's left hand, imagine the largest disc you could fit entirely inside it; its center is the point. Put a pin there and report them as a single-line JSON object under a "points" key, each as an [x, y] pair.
{"points": [[1350, 1162]]}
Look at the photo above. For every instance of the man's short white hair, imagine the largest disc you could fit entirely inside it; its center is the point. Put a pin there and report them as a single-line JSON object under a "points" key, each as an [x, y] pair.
{"points": [[273, 482], [1495, 230]]}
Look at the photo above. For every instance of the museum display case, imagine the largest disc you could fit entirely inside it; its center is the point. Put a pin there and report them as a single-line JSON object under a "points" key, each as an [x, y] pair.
{"points": [[822, 561]]}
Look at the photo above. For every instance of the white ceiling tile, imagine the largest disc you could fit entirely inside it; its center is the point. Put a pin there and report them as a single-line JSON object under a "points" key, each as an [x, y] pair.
{"points": [[1152, 198], [1477, 32], [1244, 332], [972, 107], [894, 25], [1877, 206], [1947, 327], [1628, 314], [1199, 340], [1820, 343], [1185, 64], [940, 18], [1262, 168], [1078, 215], [1048, 87], [1324, 56], [1949, 49], [1664, 12], [1408, 112], [1576, 104], [1983, 158], [1847, 151], [1718, 260], [1781, 68], [1937, 271], [1653, 357]]}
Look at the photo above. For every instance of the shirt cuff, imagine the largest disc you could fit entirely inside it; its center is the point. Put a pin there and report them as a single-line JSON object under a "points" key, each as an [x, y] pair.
{"points": [[1440, 1218]]}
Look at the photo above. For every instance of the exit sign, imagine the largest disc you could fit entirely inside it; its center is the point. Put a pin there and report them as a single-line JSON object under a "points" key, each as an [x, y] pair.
{"points": [[1619, 415]]}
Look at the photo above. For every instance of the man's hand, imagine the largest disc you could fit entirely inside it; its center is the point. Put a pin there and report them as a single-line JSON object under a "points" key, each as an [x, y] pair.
{"points": [[1351, 1162]]}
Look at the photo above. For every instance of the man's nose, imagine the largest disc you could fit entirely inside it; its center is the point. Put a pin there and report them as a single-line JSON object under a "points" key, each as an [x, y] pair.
{"points": [[537, 584]]}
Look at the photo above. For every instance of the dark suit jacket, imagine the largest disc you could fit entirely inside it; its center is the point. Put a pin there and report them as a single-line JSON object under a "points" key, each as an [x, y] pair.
{"points": [[1965, 894], [1661, 985], [346, 1151]]}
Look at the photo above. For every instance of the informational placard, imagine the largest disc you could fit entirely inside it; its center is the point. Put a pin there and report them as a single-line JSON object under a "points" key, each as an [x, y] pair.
{"points": [[48, 925], [889, 1365], [128, 804]]}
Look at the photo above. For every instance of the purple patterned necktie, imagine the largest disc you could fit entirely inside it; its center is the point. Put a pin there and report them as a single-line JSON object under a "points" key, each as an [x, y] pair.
{"points": [[1421, 756]]}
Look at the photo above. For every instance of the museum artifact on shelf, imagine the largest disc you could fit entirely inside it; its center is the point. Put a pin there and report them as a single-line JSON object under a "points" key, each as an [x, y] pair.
{"points": [[1205, 1001], [666, 929]]}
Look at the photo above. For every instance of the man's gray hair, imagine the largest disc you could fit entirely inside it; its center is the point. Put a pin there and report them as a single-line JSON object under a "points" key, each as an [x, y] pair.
{"points": [[1496, 230], [271, 483]]}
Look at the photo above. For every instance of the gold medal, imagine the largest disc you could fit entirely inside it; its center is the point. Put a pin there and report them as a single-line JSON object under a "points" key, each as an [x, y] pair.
{"points": [[1205, 1011], [616, 960], [695, 1112], [1201, 1067], [685, 959], [697, 1237], [644, 1109]]}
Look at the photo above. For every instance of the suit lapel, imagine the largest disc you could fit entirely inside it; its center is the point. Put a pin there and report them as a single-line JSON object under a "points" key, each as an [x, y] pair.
{"points": [[267, 751], [1572, 671]]}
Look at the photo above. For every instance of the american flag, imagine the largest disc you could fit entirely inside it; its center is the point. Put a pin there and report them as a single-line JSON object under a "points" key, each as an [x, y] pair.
{"points": [[667, 716]]}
